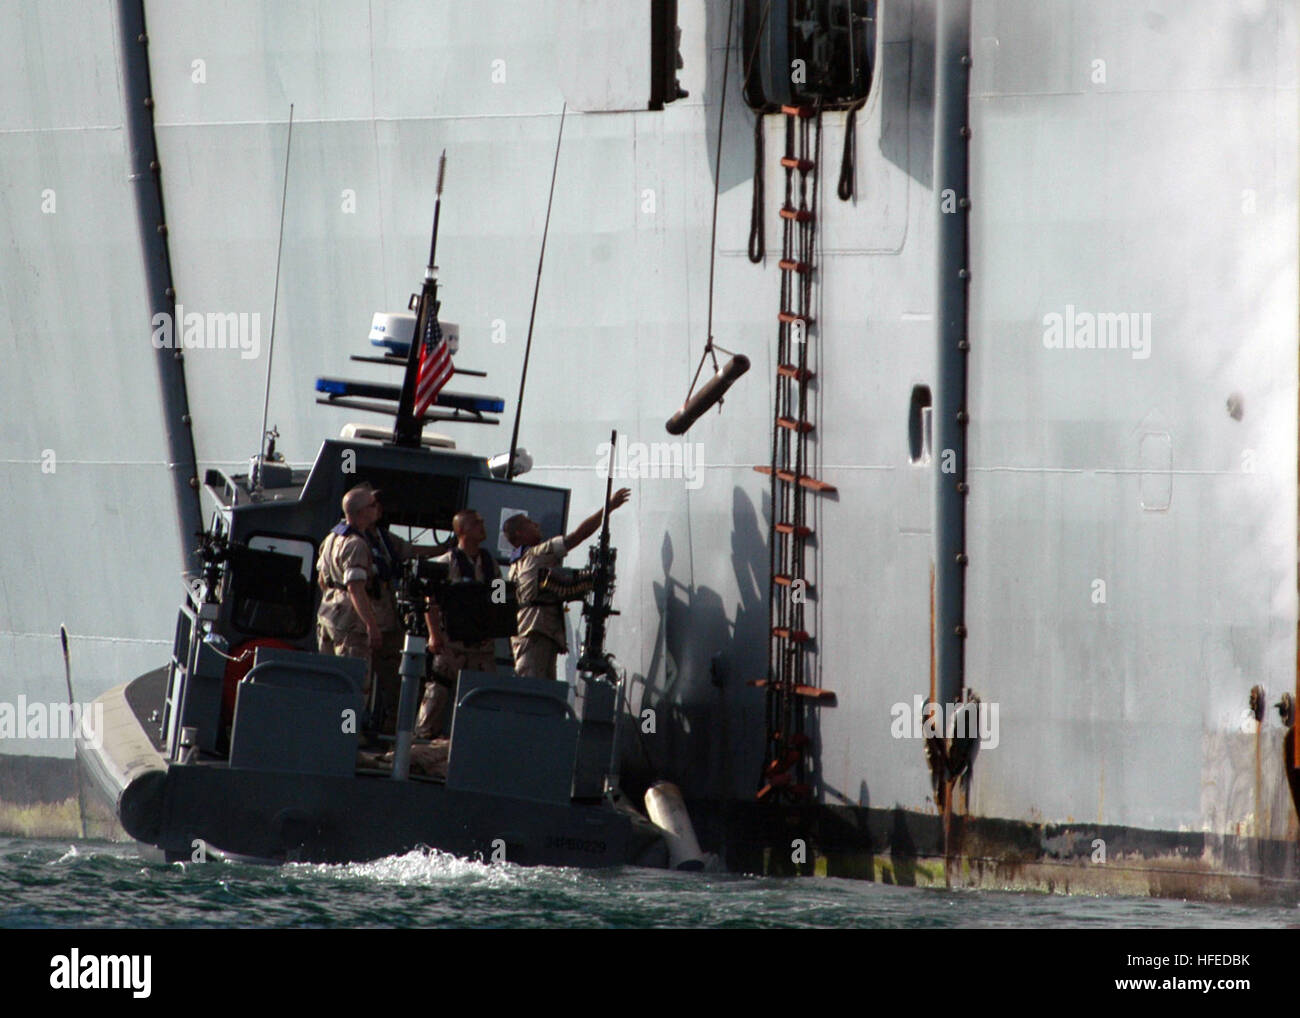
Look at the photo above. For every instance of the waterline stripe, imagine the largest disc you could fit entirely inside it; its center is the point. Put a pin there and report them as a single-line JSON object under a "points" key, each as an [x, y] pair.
{"points": [[97, 639]]}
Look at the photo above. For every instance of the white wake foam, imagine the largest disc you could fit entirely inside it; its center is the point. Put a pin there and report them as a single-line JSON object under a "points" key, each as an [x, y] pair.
{"points": [[430, 867]]}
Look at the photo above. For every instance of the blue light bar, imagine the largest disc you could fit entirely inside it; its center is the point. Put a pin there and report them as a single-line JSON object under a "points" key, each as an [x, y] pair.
{"points": [[388, 391], [484, 404]]}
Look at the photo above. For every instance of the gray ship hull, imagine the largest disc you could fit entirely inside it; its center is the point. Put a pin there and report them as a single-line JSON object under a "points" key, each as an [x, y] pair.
{"points": [[1130, 524]]}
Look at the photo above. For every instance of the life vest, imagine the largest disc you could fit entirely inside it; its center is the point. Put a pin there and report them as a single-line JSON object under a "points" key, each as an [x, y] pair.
{"points": [[383, 557], [465, 566]]}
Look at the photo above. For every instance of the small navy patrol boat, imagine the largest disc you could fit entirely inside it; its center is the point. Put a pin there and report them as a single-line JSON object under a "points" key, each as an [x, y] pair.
{"points": [[247, 743], [241, 744]]}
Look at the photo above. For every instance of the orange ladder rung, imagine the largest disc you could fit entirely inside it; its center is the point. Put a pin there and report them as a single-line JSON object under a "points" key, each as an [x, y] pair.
{"points": [[810, 692], [798, 791], [793, 635], [790, 317], [794, 528], [788, 581], [794, 371], [812, 483], [790, 265], [802, 165], [807, 112], [798, 215], [793, 425]]}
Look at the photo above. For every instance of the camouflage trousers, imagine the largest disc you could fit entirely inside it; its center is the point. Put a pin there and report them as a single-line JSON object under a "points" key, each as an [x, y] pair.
{"points": [[447, 665], [345, 644], [535, 655], [385, 660]]}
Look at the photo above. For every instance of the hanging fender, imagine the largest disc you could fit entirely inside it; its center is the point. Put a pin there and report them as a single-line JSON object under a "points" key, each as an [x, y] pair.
{"points": [[709, 393]]}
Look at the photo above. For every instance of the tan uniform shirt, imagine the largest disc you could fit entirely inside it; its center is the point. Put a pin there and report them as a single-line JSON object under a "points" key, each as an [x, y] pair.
{"points": [[345, 559], [539, 613], [342, 560]]}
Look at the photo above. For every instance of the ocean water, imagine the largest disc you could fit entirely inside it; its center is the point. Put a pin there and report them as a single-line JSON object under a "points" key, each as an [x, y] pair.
{"points": [[50, 885]]}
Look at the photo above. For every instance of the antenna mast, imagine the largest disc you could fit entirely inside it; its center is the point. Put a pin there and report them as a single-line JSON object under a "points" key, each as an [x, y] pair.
{"points": [[407, 429], [263, 441], [528, 347]]}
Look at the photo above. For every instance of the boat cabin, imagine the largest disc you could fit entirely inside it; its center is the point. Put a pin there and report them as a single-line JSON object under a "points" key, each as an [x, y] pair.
{"points": [[245, 685]]}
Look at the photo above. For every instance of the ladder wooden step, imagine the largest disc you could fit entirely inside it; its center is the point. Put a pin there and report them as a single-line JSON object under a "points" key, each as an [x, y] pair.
{"points": [[802, 165], [793, 528], [787, 580], [791, 424], [807, 112], [816, 484], [790, 265], [798, 791], [783, 580], [798, 215], [789, 317], [794, 371], [811, 483], [821, 696], [793, 635]]}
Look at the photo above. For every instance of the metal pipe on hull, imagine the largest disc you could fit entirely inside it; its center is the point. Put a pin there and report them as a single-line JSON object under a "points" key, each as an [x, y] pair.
{"points": [[142, 155], [951, 191]]}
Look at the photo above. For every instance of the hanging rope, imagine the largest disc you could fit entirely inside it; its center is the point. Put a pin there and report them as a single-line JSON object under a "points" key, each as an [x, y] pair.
{"points": [[757, 224], [848, 162], [717, 184]]}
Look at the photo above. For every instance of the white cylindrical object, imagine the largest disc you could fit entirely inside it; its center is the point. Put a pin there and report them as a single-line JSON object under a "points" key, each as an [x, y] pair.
{"points": [[392, 327], [498, 464], [412, 672], [667, 811]]}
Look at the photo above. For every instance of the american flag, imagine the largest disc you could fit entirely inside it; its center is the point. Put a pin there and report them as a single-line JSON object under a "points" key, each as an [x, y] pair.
{"points": [[435, 367]]}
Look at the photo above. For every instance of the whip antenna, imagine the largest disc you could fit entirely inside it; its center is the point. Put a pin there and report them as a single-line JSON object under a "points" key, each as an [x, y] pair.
{"points": [[256, 479], [437, 209], [537, 285]]}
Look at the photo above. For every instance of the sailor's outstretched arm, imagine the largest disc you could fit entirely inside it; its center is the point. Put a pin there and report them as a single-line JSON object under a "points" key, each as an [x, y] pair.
{"points": [[592, 523]]}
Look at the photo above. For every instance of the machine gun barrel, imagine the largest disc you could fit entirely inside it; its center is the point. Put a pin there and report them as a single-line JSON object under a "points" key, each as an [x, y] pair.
{"points": [[599, 606]]}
